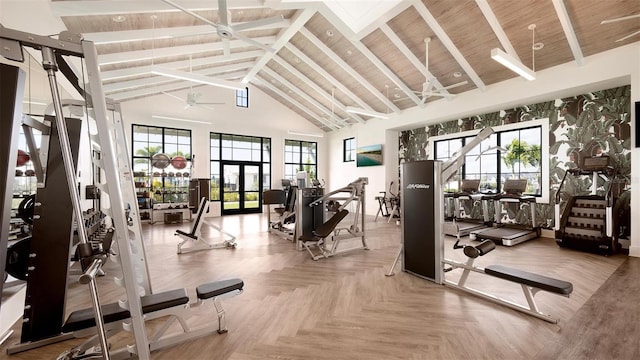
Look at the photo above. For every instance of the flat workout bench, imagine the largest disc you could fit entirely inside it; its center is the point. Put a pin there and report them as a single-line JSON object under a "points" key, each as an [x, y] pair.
{"points": [[531, 283], [541, 282], [172, 303]]}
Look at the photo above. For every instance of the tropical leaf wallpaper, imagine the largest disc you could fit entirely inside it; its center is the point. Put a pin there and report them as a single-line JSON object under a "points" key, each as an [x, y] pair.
{"points": [[583, 125]]}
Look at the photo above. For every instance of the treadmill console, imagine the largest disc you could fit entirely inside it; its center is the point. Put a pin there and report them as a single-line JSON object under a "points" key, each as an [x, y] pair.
{"points": [[514, 186], [595, 163], [469, 186]]}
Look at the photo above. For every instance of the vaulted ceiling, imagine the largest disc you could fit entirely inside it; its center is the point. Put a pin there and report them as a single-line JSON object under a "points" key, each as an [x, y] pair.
{"points": [[322, 58]]}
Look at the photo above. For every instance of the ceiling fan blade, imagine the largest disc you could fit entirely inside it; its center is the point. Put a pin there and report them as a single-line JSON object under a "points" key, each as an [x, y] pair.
{"points": [[187, 11], [609, 21], [173, 96], [258, 23], [461, 83], [434, 93], [222, 12], [225, 47], [253, 42]]}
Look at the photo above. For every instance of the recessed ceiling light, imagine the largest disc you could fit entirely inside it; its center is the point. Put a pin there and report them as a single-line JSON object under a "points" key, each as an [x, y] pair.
{"points": [[119, 18], [296, 60], [538, 46], [457, 74], [329, 32], [349, 52]]}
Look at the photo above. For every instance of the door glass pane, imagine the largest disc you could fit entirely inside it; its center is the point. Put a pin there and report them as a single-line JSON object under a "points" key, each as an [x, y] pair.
{"points": [[251, 186], [231, 187]]}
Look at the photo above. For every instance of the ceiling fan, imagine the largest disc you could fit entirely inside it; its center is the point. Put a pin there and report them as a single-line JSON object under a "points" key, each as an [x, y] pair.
{"points": [[429, 85], [609, 21], [227, 31], [192, 100]]}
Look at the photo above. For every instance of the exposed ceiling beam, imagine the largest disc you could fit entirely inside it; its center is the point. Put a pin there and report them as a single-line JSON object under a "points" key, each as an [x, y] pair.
{"points": [[115, 37], [154, 53], [121, 7], [315, 87], [185, 64], [491, 18], [294, 102], [179, 85], [565, 21], [411, 57], [156, 80], [299, 19], [337, 84], [446, 41], [367, 85], [331, 116]]}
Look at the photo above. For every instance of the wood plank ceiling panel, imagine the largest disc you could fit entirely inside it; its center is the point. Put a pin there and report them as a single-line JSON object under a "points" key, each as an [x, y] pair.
{"points": [[593, 37], [516, 16], [469, 31], [342, 46]]}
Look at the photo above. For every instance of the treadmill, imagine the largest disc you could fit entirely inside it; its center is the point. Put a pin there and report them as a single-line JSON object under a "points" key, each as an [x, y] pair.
{"points": [[457, 223], [509, 234]]}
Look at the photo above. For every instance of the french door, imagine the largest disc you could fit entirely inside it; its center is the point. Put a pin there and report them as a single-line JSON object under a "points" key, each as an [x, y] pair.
{"points": [[241, 190]]}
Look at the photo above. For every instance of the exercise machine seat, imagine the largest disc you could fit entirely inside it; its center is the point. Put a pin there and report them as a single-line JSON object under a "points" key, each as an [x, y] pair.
{"points": [[217, 288], [84, 319], [530, 279], [327, 227], [270, 197]]}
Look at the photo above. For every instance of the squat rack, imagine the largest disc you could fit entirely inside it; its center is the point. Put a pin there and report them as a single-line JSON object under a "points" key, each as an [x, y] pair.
{"points": [[107, 139]]}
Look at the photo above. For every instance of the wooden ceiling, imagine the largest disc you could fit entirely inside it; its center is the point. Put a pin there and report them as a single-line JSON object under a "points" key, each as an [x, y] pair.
{"points": [[320, 66]]}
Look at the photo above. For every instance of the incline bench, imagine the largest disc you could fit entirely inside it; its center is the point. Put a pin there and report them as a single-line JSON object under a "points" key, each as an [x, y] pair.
{"points": [[531, 283], [194, 237], [173, 304]]}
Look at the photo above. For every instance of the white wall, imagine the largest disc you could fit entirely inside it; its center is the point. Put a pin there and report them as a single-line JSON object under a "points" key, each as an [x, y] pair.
{"points": [[613, 68], [264, 117]]}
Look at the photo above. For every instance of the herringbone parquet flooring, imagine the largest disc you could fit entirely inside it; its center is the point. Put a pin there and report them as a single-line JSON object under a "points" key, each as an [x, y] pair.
{"points": [[345, 308]]}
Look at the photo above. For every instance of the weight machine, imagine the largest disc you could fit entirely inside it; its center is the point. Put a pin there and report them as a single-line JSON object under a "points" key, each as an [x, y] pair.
{"points": [[422, 248], [316, 234], [58, 203]]}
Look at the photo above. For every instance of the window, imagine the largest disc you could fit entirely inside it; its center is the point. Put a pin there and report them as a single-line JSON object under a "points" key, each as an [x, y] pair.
{"points": [[242, 98], [522, 157], [169, 182], [349, 150], [300, 156], [238, 148]]}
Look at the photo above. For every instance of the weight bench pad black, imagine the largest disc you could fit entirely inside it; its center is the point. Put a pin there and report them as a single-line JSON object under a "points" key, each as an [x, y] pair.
{"points": [[530, 279], [84, 319], [217, 288], [180, 232], [326, 228]]}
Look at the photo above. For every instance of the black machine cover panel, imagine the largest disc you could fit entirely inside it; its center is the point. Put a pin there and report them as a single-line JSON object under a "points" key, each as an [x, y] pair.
{"points": [[418, 226]]}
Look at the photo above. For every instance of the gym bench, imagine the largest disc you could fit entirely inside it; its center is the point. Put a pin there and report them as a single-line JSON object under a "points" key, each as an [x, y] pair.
{"points": [[195, 236], [173, 304], [531, 283]]}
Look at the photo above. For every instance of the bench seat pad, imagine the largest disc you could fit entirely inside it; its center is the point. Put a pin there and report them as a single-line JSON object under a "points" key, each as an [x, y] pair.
{"points": [[534, 280], [217, 288], [84, 319]]}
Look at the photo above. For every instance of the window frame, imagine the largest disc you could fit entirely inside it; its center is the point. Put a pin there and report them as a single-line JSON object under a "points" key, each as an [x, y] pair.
{"points": [[351, 150], [542, 198], [302, 144], [242, 98]]}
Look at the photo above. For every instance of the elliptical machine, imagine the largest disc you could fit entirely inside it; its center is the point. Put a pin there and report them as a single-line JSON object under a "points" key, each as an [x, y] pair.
{"points": [[593, 222]]}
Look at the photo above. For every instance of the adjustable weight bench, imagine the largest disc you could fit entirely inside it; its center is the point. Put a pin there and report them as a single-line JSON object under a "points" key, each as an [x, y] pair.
{"points": [[195, 236], [531, 283], [173, 304]]}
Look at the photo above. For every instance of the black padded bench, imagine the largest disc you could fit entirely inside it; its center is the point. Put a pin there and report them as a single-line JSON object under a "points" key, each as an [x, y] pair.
{"points": [[191, 235], [84, 319], [534, 280]]}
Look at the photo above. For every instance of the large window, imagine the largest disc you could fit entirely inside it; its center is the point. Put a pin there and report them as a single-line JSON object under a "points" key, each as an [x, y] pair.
{"points": [[349, 150], [162, 181], [238, 148], [242, 98], [300, 156], [511, 153]]}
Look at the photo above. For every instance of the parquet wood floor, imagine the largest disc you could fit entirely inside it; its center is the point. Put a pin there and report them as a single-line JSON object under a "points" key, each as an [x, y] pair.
{"points": [[345, 308]]}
